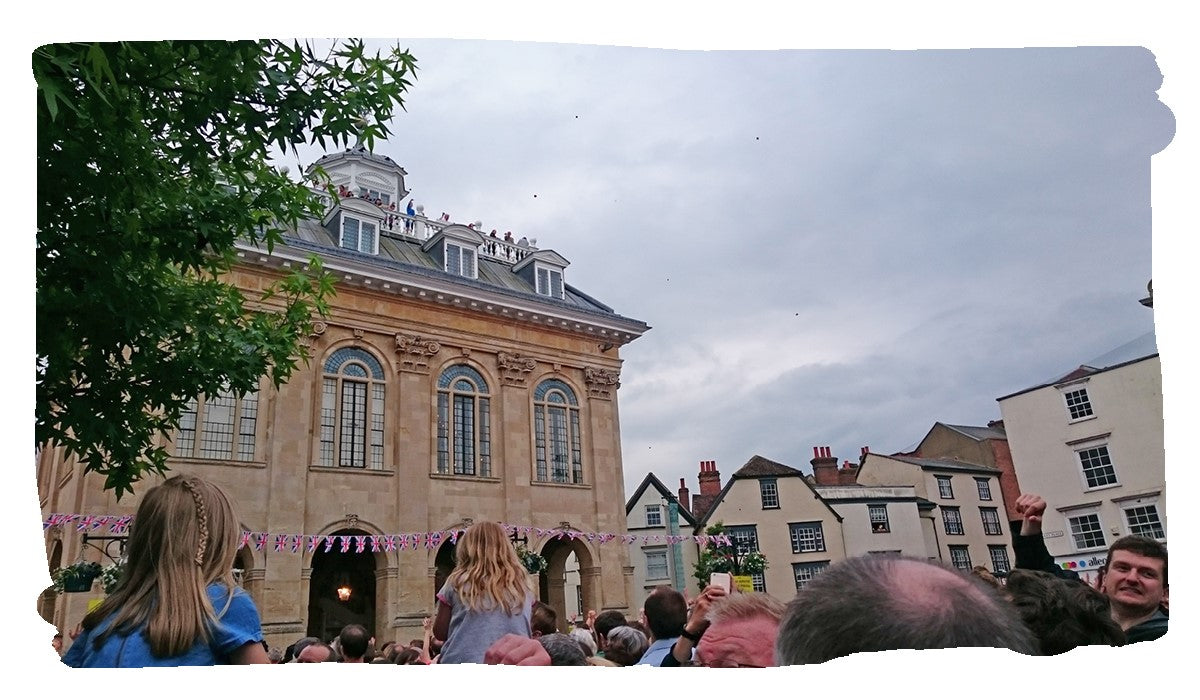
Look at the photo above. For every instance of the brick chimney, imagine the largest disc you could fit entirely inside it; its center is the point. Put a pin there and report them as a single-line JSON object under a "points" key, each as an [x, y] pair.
{"points": [[825, 467], [848, 474], [710, 488], [862, 455], [685, 497]]}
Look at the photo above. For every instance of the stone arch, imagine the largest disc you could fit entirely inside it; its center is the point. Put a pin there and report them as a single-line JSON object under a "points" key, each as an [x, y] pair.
{"points": [[363, 575], [552, 582]]}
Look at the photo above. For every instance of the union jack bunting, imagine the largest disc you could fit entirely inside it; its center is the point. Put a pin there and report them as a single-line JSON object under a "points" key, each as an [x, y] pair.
{"points": [[295, 539], [312, 542], [329, 542], [360, 543], [262, 541], [245, 539], [345, 542], [280, 541]]}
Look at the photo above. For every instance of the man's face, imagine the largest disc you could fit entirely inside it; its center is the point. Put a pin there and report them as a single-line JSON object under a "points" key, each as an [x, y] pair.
{"points": [[57, 643], [1134, 581], [313, 654], [733, 643]]}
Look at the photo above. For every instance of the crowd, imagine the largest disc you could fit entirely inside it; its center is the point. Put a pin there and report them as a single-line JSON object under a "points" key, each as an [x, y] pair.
{"points": [[178, 605]]}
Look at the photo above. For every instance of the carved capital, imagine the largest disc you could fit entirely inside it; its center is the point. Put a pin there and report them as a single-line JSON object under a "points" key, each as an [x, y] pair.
{"points": [[514, 367], [415, 351], [601, 382], [314, 335]]}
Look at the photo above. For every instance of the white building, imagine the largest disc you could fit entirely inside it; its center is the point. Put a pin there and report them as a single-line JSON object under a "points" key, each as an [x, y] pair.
{"points": [[1091, 443], [664, 552]]}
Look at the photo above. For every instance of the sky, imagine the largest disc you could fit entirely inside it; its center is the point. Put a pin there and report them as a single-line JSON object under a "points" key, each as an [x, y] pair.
{"points": [[832, 247]]}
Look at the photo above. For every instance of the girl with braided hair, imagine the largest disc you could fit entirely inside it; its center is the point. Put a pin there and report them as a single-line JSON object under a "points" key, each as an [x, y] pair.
{"points": [[176, 604]]}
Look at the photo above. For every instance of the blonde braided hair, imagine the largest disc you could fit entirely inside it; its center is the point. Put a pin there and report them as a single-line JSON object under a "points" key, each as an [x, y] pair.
{"points": [[201, 517]]}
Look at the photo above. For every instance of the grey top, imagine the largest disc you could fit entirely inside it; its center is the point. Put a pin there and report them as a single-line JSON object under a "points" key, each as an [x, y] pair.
{"points": [[473, 631]]}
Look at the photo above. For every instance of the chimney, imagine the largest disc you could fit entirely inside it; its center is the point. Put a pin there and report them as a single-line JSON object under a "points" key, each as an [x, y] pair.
{"points": [[825, 469], [685, 498], [862, 455], [848, 474], [710, 488]]}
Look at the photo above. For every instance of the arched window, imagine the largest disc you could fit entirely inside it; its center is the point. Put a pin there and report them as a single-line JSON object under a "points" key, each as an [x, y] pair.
{"points": [[352, 411], [464, 443], [557, 443]]}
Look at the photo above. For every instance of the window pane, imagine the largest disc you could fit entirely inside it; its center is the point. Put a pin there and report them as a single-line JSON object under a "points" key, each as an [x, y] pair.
{"points": [[352, 442], [769, 491], [960, 557], [985, 489], [1143, 520], [328, 413], [1097, 467], [1078, 404], [999, 557], [246, 426], [879, 518], [952, 520], [366, 243], [558, 444], [443, 433], [1086, 531], [944, 489], [185, 443], [653, 516], [539, 442], [807, 537], [349, 233], [216, 432], [656, 564], [453, 259]]}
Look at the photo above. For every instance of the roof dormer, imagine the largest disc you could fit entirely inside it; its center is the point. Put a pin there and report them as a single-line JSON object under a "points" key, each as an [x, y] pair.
{"points": [[456, 250], [354, 224], [543, 270], [359, 173]]}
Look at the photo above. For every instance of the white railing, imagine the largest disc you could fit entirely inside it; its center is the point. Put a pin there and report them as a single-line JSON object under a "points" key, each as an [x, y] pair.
{"points": [[420, 228]]}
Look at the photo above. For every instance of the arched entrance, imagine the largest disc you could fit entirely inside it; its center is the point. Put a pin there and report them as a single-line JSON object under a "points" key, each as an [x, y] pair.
{"points": [[341, 590], [552, 581]]}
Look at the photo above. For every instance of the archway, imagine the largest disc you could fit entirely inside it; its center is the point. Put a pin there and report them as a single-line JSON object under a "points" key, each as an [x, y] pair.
{"points": [[341, 590], [552, 582]]}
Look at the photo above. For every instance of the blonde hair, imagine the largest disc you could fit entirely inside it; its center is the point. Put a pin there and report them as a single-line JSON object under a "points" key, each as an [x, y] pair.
{"points": [[183, 538], [487, 573]]}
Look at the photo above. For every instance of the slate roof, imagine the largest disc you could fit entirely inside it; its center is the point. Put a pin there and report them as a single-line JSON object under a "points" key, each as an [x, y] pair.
{"points": [[359, 150], [652, 481], [976, 432], [949, 465], [405, 255], [1141, 348], [757, 467]]}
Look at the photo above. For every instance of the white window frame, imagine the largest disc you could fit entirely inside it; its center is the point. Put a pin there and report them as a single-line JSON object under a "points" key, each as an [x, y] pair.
{"points": [[468, 260], [758, 582], [984, 511], [203, 435], [948, 483], [810, 569], [651, 572], [1081, 514], [361, 224], [553, 275], [817, 537], [1134, 504], [769, 496], [993, 549], [957, 517], [887, 526], [1080, 449], [983, 487], [654, 510], [960, 549], [1083, 406]]}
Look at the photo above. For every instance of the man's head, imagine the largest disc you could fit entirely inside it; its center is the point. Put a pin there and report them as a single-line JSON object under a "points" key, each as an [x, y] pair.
{"points": [[1062, 613], [543, 620], [606, 622], [666, 612], [353, 642], [56, 642], [292, 653], [874, 603], [563, 650], [1135, 576], [625, 645], [741, 631], [315, 653]]}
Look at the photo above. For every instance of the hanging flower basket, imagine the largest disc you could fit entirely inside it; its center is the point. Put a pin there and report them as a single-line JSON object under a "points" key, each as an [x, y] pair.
{"points": [[534, 562], [110, 576], [76, 578]]}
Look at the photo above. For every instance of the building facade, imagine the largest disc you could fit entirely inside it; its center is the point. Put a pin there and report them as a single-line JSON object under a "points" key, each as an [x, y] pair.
{"points": [[975, 444], [458, 378], [1091, 444], [962, 515], [664, 551]]}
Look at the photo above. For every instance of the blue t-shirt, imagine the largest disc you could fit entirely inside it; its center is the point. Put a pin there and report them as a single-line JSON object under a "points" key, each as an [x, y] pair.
{"points": [[239, 626], [473, 631]]}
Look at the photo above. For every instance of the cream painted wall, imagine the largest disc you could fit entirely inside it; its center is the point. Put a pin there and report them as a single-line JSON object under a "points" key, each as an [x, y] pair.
{"points": [[904, 519], [1128, 418]]}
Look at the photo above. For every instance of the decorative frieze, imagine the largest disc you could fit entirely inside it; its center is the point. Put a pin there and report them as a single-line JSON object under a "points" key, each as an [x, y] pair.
{"points": [[601, 382], [415, 351], [514, 367]]}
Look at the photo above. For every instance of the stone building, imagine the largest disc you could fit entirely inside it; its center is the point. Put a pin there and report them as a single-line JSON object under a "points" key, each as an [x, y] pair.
{"points": [[459, 377]]}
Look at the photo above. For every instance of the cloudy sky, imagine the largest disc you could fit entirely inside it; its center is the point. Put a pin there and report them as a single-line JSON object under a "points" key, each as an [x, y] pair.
{"points": [[834, 247]]}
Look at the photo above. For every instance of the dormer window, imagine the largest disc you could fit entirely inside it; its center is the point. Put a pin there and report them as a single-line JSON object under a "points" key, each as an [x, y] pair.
{"points": [[460, 260], [549, 282], [360, 235]]}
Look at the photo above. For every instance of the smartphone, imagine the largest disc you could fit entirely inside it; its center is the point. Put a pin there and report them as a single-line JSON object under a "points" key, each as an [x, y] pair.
{"points": [[721, 579]]}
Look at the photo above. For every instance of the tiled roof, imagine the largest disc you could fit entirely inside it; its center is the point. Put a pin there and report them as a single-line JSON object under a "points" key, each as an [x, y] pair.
{"points": [[652, 481], [761, 466], [944, 464]]}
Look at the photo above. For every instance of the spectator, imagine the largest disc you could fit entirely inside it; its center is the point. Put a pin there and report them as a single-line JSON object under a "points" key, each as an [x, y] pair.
{"points": [[665, 613], [543, 620], [625, 645], [728, 631], [1135, 581], [485, 597], [516, 650], [563, 650], [602, 624], [872, 603], [1062, 613], [275, 655], [586, 642], [353, 643], [293, 650], [182, 546], [315, 653], [56, 642]]}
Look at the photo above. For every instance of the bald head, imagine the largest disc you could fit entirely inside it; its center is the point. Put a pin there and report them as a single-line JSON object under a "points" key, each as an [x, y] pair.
{"points": [[877, 603]]}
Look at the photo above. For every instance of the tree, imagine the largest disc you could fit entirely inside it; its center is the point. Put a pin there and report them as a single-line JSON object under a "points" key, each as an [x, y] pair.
{"points": [[720, 554], [153, 160]]}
